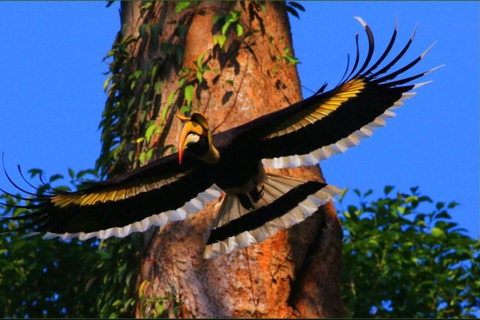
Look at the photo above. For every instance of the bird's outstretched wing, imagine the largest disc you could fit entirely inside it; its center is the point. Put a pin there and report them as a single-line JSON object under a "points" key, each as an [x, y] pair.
{"points": [[153, 195], [330, 122]]}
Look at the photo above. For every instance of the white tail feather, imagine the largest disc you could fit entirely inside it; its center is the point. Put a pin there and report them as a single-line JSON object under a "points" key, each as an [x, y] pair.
{"points": [[275, 186]]}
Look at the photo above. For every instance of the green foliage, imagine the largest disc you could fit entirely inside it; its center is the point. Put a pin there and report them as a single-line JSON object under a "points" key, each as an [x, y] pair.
{"points": [[55, 278], [185, 4], [287, 57], [405, 258], [229, 22], [157, 307], [134, 120], [117, 118]]}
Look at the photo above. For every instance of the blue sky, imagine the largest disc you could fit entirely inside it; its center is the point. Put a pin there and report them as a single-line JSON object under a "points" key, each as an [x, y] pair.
{"points": [[51, 91]]}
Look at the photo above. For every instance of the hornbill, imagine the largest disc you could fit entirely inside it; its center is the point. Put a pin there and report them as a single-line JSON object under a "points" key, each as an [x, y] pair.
{"points": [[255, 204]]}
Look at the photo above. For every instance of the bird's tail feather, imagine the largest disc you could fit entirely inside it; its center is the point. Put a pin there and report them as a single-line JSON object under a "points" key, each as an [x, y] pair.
{"points": [[285, 201]]}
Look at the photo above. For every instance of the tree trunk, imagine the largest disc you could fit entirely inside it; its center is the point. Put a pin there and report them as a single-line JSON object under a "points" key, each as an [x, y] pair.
{"points": [[295, 273]]}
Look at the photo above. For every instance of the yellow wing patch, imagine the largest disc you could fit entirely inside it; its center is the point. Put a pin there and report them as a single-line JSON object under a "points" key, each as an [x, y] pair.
{"points": [[83, 198], [316, 112], [88, 199]]}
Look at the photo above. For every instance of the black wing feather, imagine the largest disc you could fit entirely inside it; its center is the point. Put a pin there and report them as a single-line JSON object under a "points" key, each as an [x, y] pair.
{"points": [[354, 105], [92, 210]]}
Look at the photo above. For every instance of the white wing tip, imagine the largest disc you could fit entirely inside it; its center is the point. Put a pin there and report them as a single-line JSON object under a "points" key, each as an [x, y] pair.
{"points": [[334, 191], [418, 85], [414, 32], [433, 69], [50, 235], [428, 49], [31, 234], [362, 22]]}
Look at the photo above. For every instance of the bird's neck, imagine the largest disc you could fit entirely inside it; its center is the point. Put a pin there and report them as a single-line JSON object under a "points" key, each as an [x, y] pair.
{"points": [[211, 156]]}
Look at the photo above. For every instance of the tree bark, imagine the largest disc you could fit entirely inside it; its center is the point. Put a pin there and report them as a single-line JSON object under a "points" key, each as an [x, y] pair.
{"points": [[295, 273]]}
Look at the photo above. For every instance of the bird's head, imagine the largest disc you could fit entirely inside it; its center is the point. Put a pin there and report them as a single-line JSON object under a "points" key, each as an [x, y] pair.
{"points": [[197, 137]]}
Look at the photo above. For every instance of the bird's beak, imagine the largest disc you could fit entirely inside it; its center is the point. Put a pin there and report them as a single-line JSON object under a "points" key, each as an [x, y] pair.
{"points": [[191, 133]]}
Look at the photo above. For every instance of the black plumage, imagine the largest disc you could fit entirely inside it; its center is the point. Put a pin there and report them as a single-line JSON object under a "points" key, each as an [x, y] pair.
{"points": [[231, 165]]}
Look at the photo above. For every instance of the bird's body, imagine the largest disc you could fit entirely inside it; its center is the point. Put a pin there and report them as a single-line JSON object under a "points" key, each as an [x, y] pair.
{"points": [[255, 204]]}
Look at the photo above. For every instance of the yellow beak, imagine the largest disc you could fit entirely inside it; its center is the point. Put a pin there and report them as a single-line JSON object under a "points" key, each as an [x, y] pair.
{"points": [[191, 133]]}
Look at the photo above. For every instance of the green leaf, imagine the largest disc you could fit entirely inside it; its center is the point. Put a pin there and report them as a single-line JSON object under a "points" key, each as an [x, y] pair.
{"points": [[373, 243], [440, 205], [438, 233], [233, 16], [342, 194], [225, 27], [369, 192], [35, 172], [185, 109], [387, 189], [158, 87], [178, 56], [239, 29], [143, 31], [117, 303], [425, 199], [182, 81], [136, 74], [155, 30], [452, 205], [189, 94], [263, 9], [149, 132], [146, 5], [182, 32], [142, 157], [199, 76], [217, 17], [56, 177], [443, 215], [106, 83], [170, 98], [182, 5], [149, 154], [164, 113], [357, 192], [199, 61], [219, 39], [411, 199]]}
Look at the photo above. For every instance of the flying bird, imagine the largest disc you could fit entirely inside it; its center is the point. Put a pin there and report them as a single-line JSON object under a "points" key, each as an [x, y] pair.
{"points": [[231, 165]]}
